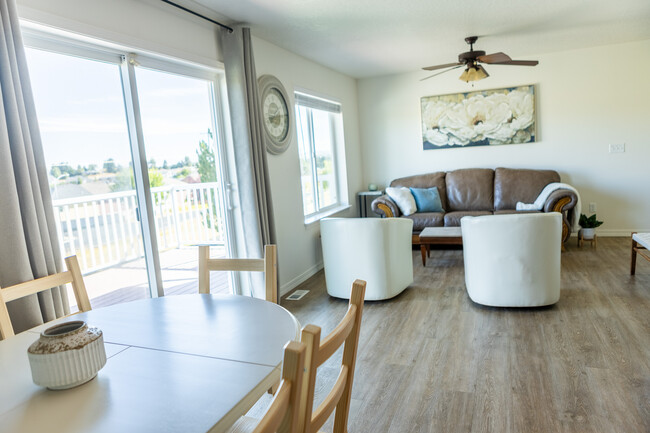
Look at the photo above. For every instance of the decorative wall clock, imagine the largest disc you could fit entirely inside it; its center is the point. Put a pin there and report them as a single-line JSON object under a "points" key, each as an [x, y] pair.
{"points": [[277, 114]]}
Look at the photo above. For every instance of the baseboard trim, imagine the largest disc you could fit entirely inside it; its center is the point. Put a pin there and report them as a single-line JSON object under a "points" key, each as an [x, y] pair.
{"points": [[295, 282]]}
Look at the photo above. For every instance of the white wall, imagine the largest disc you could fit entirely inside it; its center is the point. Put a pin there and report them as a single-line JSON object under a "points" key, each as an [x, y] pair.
{"points": [[298, 244], [152, 26], [586, 100]]}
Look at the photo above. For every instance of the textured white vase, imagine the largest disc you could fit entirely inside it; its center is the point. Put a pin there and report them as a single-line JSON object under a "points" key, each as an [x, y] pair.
{"points": [[67, 355]]}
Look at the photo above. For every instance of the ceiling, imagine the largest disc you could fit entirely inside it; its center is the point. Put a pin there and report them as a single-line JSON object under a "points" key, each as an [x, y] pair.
{"points": [[365, 38]]}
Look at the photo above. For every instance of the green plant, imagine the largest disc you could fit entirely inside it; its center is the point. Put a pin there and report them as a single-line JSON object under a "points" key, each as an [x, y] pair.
{"points": [[589, 222]]}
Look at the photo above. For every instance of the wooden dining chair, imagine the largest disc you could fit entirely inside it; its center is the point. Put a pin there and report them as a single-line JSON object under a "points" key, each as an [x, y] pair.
{"points": [[282, 414], [346, 333], [72, 276], [268, 265]]}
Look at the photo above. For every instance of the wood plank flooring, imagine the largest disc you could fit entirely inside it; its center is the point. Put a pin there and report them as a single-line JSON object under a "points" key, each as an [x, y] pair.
{"points": [[430, 360]]}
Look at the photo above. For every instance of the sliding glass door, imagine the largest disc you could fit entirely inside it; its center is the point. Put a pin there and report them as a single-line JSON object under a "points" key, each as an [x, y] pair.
{"points": [[178, 124], [106, 124]]}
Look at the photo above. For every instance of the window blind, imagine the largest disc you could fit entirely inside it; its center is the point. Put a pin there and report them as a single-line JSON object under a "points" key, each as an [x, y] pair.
{"points": [[317, 103]]}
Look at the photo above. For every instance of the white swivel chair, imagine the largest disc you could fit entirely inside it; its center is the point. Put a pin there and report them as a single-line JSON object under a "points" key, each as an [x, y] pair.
{"points": [[513, 260], [377, 250]]}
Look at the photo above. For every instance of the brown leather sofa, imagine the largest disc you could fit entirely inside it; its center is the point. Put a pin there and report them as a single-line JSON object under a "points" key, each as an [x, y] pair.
{"points": [[481, 191]]}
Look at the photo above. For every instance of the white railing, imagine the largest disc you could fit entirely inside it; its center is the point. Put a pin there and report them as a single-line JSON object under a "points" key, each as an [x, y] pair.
{"points": [[104, 230]]}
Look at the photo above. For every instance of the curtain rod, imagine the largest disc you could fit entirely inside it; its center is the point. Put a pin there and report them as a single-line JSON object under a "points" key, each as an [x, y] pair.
{"points": [[230, 30]]}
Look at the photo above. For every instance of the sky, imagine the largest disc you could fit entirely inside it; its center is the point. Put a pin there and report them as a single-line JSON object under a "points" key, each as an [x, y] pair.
{"points": [[82, 119]]}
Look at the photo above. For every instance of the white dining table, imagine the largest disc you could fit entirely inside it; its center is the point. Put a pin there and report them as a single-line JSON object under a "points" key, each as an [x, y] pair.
{"points": [[186, 363]]}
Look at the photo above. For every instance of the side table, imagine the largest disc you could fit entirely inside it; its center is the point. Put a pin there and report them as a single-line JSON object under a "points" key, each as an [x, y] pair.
{"points": [[365, 198]]}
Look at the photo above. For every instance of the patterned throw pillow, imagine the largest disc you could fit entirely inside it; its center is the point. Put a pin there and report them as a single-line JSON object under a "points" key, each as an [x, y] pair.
{"points": [[427, 199], [403, 198]]}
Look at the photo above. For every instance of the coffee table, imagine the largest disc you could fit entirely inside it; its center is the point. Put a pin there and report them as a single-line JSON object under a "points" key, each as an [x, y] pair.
{"points": [[438, 236]]}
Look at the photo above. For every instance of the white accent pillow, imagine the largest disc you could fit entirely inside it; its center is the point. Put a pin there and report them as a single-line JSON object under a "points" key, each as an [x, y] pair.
{"points": [[403, 198]]}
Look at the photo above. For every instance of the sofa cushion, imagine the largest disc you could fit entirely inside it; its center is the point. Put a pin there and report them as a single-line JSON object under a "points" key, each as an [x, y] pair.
{"points": [[513, 185], [470, 189], [427, 219], [426, 181], [427, 199], [403, 198], [513, 211], [452, 219]]}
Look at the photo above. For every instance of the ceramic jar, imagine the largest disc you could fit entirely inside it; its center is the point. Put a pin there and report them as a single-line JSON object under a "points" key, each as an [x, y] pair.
{"points": [[67, 355]]}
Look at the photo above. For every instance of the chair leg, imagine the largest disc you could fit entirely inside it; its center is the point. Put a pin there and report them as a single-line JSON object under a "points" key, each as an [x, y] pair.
{"points": [[633, 264]]}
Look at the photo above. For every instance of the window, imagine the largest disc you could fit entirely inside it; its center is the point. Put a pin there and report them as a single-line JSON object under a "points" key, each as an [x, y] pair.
{"points": [[320, 136]]}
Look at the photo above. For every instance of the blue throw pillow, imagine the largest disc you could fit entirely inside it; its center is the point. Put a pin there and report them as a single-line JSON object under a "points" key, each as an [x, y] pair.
{"points": [[427, 199]]}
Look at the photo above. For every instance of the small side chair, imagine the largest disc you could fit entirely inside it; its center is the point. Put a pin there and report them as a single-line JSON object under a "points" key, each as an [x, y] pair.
{"points": [[345, 334], [640, 246], [282, 415], [268, 265], [72, 276]]}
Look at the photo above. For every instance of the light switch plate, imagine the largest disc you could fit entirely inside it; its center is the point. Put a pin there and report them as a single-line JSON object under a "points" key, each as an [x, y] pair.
{"points": [[617, 148]]}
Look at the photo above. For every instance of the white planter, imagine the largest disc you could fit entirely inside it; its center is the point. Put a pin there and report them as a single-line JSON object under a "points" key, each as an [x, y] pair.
{"points": [[587, 234], [67, 355]]}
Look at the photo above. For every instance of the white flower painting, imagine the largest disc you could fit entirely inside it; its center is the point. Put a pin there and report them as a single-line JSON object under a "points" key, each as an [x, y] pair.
{"points": [[484, 118]]}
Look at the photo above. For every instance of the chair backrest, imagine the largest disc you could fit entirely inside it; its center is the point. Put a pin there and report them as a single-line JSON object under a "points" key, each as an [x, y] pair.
{"points": [[268, 265], [386, 263], [346, 333], [282, 415], [513, 260], [72, 276]]}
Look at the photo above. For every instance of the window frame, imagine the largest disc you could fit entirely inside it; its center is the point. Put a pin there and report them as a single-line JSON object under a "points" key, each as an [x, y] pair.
{"points": [[60, 42], [302, 98]]}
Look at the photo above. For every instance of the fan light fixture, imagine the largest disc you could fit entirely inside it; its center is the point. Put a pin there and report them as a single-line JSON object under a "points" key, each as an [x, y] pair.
{"points": [[473, 72]]}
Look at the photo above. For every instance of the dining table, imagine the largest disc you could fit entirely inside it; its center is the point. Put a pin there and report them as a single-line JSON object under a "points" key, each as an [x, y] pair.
{"points": [[183, 363]]}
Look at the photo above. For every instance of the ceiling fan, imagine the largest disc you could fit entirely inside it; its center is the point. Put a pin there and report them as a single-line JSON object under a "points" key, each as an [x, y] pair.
{"points": [[471, 59]]}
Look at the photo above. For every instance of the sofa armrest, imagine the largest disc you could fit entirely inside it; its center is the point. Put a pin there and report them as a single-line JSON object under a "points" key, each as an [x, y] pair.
{"points": [[385, 207], [563, 201]]}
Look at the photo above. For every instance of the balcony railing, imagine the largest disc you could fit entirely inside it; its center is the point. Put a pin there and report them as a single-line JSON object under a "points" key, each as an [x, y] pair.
{"points": [[104, 230]]}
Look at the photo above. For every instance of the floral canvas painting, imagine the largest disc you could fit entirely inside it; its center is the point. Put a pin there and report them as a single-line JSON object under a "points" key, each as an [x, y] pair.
{"points": [[483, 118]]}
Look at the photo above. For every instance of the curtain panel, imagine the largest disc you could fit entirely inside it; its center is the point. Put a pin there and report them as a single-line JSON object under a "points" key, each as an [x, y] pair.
{"points": [[253, 186], [29, 246]]}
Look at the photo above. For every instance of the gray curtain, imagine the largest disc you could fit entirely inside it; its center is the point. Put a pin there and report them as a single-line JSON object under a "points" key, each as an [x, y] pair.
{"points": [[28, 243], [250, 152]]}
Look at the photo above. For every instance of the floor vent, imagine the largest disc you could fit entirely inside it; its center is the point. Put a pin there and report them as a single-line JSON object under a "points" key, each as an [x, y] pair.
{"points": [[298, 294]]}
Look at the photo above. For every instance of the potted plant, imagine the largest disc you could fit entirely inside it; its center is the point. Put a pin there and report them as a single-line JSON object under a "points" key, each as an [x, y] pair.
{"points": [[588, 226]]}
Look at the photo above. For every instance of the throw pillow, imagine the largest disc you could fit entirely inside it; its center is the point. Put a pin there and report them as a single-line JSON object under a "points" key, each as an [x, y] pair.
{"points": [[427, 199], [403, 198]]}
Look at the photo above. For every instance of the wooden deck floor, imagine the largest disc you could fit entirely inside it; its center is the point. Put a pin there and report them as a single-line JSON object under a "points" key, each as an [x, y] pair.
{"points": [[128, 281], [430, 360]]}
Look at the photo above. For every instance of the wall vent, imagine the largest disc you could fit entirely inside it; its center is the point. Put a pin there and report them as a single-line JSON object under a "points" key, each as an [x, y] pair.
{"points": [[298, 294]]}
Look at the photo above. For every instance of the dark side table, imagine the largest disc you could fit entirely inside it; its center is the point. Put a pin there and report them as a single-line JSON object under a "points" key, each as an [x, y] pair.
{"points": [[365, 199]]}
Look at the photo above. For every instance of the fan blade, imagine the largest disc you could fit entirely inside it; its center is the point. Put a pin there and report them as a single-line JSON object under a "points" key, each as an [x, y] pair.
{"points": [[494, 58], [518, 63], [433, 68], [442, 72]]}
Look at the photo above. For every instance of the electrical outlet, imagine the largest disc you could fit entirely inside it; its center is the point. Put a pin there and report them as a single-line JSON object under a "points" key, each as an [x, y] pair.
{"points": [[592, 207], [617, 148]]}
